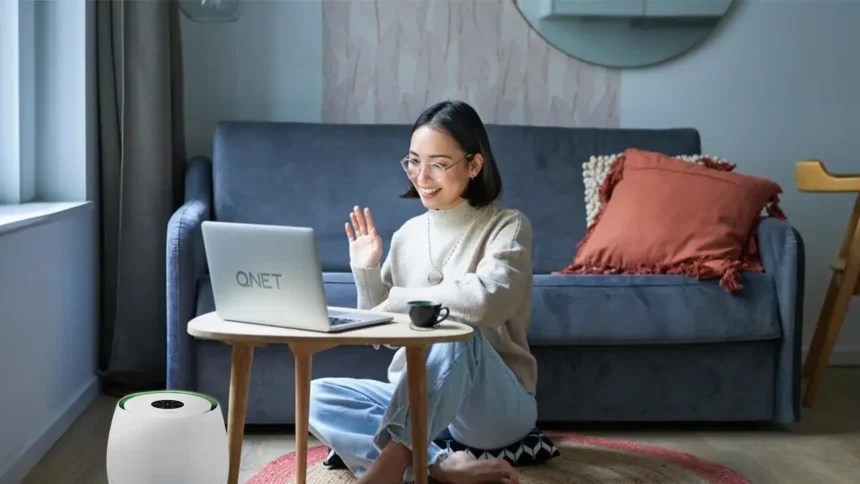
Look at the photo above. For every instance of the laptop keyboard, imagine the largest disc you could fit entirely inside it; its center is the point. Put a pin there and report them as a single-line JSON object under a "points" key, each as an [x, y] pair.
{"points": [[335, 321]]}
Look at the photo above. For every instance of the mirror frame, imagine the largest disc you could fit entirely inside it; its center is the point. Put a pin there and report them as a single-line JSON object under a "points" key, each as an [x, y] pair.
{"points": [[663, 51]]}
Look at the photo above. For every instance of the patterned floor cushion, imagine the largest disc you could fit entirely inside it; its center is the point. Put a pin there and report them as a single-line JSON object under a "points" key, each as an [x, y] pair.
{"points": [[534, 449]]}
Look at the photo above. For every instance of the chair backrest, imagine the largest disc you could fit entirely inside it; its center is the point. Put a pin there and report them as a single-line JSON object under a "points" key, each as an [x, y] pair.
{"points": [[313, 174]]}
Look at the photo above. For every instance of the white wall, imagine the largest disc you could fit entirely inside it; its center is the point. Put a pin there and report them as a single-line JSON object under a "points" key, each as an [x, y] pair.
{"points": [[48, 332], [765, 90], [280, 79]]}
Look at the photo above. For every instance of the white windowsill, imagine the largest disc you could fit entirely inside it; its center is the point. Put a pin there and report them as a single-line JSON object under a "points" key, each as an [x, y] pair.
{"points": [[16, 217]]}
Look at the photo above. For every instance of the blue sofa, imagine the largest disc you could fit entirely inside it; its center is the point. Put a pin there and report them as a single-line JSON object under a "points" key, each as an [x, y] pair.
{"points": [[610, 348]]}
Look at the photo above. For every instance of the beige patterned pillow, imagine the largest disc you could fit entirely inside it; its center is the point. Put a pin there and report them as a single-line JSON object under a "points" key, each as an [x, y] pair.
{"points": [[594, 171]]}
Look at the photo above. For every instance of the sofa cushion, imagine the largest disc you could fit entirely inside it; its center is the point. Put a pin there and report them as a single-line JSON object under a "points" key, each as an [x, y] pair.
{"points": [[619, 310], [650, 309], [533, 449]]}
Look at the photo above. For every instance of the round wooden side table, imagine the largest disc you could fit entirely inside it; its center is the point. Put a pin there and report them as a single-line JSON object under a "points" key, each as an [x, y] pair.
{"points": [[243, 337]]}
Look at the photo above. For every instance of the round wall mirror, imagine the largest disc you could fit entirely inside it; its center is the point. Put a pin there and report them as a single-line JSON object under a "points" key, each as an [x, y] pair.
{"points": [[624, 33]]}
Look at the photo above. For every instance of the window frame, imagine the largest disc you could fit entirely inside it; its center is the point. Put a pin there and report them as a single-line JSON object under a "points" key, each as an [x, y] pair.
{"points": [[18, 111]]}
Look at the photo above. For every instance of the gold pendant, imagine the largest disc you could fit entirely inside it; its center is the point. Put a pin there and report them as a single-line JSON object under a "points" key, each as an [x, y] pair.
{"points": [[435, 277]]}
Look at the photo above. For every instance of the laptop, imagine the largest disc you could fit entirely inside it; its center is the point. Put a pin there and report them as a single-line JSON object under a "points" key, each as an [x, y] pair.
{"points": [[271, 275]]}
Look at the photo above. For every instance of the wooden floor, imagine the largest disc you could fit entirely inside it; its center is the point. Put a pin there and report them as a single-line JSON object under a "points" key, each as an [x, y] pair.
{"points": [[823, 448]]}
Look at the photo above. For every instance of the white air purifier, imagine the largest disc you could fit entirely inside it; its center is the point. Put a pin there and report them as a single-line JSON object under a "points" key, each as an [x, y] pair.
{"points": [[166, 437]]}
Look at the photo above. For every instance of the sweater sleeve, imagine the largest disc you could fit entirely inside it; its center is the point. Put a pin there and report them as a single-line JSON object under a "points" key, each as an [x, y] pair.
{"points": [[490, 295], [372, 284]]}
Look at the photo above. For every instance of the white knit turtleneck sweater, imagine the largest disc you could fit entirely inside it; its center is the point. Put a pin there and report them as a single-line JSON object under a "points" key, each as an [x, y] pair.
{"points": [[487, 279]]}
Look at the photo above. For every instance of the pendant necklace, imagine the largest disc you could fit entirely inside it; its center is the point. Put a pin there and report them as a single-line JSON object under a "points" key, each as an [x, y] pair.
{"points": [[436, 276]]}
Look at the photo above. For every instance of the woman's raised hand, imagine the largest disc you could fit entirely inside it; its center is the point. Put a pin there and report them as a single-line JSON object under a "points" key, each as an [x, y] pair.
{"points": [[365, 243]]}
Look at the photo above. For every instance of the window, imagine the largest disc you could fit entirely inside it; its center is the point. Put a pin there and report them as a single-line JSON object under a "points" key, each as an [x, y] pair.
{"points": [[47, 81], [18, 106]]}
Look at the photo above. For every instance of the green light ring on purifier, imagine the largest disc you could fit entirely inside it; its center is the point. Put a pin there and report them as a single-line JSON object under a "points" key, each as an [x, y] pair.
{"points": [[140, 394]]}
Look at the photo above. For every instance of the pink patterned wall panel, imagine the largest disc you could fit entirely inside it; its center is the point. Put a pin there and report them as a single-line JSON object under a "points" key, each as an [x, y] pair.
{"points": [[384, 61]]}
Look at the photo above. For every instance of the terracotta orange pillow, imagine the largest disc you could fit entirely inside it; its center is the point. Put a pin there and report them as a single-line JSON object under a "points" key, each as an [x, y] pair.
{"points": [[661, 215]]}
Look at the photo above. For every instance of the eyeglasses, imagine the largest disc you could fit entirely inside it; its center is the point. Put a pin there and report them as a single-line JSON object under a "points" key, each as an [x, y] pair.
{"points": [[412, 167]]}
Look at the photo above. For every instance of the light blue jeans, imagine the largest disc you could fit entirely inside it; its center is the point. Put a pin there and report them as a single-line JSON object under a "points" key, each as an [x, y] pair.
{"points": [[472, 397]]}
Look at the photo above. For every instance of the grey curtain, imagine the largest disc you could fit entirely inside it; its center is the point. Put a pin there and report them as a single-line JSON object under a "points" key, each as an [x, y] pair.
{"points": [[138, 72]]}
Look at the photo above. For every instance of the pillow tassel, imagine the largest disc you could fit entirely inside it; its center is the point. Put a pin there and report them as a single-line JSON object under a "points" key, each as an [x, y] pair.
{"points": [[716, 165], [775, 210], [731, 279]]}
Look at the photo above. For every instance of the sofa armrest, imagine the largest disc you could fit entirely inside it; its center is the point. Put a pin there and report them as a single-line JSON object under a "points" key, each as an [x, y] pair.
{"points": [[782, 255], [186, 264]]}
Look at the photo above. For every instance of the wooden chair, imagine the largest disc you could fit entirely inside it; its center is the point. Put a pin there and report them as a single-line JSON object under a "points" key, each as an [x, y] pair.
{"points": [[812, 176]]}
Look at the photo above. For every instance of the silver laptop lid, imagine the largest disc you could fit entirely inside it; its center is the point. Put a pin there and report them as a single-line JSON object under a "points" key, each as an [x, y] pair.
{"points": [[266, 274]]}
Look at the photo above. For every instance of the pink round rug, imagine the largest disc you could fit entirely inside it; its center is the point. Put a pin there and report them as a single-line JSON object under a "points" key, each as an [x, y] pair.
{"points": [[583, 459]]}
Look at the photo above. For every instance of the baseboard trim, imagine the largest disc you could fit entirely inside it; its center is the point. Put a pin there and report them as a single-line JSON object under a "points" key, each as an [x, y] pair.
{"points": [[52, 432], [842, 356]]}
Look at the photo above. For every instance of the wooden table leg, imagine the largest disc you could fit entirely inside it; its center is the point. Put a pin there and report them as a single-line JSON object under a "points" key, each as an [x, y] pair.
{"points": [[416, 371], [302, 354], [240, 382]]}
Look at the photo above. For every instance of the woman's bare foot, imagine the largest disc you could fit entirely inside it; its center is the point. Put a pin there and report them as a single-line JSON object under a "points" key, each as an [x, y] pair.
{"points": [[462, 468], [389, 467]]}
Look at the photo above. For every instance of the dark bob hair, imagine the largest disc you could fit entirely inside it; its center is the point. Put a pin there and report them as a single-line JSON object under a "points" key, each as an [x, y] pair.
{"points": [[461, 122]]}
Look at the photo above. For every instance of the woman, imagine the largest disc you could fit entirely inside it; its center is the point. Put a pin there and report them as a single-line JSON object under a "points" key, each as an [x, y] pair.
{"points": [[475, 258]]}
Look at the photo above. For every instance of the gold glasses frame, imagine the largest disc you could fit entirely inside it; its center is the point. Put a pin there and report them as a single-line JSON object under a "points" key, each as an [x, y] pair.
{"points": [[434, 170]]}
